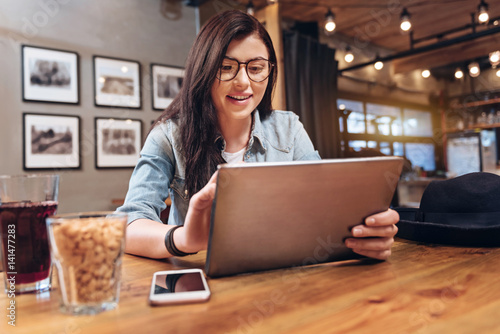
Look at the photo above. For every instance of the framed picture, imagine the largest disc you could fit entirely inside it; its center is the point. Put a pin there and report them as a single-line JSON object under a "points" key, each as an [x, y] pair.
{"points": [[51, 141], [166, 81], [117, 83], [118, 142], [49, 75]]}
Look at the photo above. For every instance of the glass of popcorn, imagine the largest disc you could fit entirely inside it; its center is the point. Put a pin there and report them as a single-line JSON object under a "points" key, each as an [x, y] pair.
{"points": [[87, 250]]}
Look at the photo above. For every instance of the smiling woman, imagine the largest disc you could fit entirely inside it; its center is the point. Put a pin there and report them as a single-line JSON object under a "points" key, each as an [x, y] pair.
{"points": [[221, 114]]}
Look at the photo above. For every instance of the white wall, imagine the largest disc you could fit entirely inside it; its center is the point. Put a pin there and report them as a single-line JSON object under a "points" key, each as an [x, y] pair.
{"points": [[131, 29]]}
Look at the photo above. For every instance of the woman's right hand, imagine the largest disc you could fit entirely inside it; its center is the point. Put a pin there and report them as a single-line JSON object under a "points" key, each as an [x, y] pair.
{"points": [[193, 237]]}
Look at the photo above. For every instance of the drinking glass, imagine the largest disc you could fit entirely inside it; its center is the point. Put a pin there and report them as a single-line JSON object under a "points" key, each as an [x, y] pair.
{"points": [[25, 202], [87, 250]]}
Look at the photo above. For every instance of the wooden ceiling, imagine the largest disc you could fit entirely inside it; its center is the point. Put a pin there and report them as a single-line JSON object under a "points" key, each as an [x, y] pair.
{"points": [[377, 22]]}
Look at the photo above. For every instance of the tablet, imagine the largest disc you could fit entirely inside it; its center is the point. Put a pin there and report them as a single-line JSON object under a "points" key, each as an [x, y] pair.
{"points": [[275, 215]]}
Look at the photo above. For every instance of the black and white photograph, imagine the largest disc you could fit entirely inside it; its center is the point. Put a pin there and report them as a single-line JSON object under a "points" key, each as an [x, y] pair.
{"points": [[49, 75], [166, 82], [118, 142], [51, 141], [117, 83]]}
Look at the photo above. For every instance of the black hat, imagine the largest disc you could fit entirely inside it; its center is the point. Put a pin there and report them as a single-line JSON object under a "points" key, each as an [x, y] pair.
{"points": [[463, 211]]}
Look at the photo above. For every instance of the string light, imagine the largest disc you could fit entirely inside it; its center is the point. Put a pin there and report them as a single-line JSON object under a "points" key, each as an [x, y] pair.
{"points": [[459, 74], [349, 56], [405, 20], [378, 65], [494, 58], [330, 24], [474, 70], [498, 73], [482, 11], [426, 73], [250, 8]]}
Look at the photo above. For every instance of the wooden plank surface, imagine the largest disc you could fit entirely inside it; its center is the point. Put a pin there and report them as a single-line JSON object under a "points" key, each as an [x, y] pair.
{"points": [[421, 289]]}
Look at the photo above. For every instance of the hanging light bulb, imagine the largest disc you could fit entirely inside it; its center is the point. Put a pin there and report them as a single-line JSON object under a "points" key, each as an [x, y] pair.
{"points": [[271, 2], [349, 56], [250, 8], [498, 73], [330, 24], [459, 74], [494, 58], [378, 65], [482, 12], [474, 70], [405, 24], [426, 73]]}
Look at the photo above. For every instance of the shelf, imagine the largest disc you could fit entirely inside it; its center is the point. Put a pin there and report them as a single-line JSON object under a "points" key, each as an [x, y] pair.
{"points": [[476, 103], [475, 127]]}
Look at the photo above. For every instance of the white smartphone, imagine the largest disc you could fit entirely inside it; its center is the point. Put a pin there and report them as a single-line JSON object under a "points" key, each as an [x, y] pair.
{"points": [[178, 286]]}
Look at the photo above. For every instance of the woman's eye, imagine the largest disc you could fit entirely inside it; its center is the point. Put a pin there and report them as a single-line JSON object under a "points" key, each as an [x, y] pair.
{"points": [[226, 67]]}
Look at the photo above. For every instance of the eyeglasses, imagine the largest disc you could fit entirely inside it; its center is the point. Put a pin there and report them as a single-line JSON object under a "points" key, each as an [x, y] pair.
{"points": [[257, 70]]}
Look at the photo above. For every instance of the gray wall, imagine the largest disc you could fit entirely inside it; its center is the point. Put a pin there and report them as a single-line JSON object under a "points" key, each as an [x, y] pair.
{"points": [[151, 31]]}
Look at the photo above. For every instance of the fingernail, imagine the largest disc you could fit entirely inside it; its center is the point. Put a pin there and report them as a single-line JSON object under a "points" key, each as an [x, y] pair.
{"points": [[357, 232], [370, 221]]}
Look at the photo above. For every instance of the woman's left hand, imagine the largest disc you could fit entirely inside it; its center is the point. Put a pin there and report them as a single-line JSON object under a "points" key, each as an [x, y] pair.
{"points": [[375, 238]]}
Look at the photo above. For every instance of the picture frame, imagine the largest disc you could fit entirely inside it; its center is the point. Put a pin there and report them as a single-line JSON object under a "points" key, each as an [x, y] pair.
{"points": [[117, 83], [117, 142], [51, 141], [166, 82], [50, 75]]}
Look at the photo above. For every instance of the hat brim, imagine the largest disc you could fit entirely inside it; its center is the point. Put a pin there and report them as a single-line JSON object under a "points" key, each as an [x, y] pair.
{"points": [[449, 234]]}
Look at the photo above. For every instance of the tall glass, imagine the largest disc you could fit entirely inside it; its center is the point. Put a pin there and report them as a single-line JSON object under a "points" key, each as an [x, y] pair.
{"points": [[25, 202], [87, 250]]}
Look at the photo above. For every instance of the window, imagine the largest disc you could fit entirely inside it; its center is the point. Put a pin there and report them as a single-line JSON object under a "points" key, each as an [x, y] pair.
{"points": [[417, 123], [384, 120], [389, 129], [356, 117]]}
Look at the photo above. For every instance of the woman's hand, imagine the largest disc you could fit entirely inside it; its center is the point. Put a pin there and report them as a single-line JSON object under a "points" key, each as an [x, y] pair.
{"points": [[193, 237], [375, 238]]}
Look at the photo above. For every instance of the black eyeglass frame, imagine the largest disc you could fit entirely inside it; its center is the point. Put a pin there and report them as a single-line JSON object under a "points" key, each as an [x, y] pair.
{"points": [[271, 65]]}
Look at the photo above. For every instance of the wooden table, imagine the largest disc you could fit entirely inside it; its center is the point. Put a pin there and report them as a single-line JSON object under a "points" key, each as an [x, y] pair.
{"points": [[421, 289]]}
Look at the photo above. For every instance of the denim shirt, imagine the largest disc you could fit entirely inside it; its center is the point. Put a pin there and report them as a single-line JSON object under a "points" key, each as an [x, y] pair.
{"points": [[160, 171]]}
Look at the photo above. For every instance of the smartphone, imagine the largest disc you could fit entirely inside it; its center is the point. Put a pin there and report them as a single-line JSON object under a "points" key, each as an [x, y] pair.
{"points": [[178, 286]]}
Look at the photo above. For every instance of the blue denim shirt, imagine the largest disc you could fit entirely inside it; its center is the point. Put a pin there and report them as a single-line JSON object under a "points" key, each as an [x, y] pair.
{"points": [[160, 171]]}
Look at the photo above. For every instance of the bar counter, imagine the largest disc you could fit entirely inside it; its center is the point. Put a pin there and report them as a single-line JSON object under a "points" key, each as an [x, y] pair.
{"points": [[420, 289]]}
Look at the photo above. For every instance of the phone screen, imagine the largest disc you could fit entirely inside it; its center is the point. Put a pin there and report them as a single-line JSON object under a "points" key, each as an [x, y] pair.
{"points": [[178, 282]]}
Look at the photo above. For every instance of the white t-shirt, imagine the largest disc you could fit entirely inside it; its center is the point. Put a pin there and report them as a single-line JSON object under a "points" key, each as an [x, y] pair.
{"points": [[233, 158]]}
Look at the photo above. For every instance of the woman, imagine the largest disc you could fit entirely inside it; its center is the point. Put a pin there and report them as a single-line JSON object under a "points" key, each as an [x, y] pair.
{"points": [[222, 114]]}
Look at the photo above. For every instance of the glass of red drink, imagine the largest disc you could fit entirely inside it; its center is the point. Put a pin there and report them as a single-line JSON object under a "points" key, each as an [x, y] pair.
{"points": [[25, 202]]}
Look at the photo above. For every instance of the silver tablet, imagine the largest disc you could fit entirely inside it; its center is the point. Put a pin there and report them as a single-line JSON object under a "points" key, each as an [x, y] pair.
{"points": [[274, 215]]}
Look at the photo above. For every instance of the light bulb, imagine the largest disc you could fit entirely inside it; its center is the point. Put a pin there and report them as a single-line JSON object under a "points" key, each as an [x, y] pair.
{"points": [[482, 10], [330, 24], [459, 74], [474, 69], [426, 73], [495, 58], [250, 8], [378, 65], [349, 56], [405, 20], [498, 73]]}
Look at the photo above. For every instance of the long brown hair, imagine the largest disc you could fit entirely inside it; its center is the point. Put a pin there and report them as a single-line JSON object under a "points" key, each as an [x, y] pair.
{"points": [[193, 105]]}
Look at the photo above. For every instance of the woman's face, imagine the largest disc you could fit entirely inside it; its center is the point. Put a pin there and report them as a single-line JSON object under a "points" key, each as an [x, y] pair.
{"points": [[236, 99]]}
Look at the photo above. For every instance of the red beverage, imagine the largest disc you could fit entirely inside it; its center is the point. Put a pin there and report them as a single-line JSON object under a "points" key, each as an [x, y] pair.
{"points": [[24, 239]]}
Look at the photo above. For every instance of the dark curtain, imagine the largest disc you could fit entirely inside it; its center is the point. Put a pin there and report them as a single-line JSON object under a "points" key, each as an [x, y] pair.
{"points": [[311, 90]]}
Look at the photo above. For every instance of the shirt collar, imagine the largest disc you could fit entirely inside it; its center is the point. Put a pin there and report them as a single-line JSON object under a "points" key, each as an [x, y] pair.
{"points": [[256, 134]]}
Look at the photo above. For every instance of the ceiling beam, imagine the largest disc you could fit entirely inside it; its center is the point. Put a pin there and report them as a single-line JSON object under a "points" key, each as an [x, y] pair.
{"points": [[454, 54], [427, 48]]}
